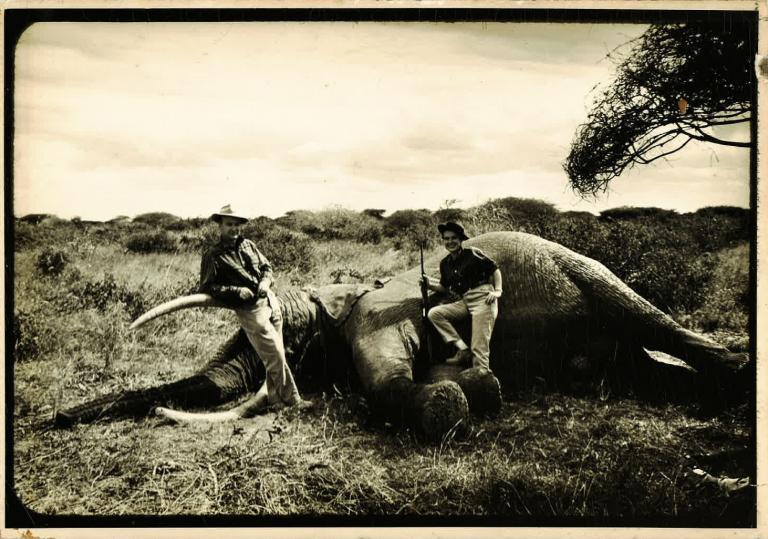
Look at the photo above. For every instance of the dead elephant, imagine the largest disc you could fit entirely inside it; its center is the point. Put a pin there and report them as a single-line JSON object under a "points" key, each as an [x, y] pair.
{"points": [[557, 304]]}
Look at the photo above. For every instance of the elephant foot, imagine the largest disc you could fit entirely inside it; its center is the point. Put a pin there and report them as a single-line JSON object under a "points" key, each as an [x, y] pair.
{"points": [[480, 387], [482, 390], [440, 407]]}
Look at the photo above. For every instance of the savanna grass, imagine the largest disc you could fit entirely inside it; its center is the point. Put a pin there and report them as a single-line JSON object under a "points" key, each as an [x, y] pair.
{"points": [[544, 456]]}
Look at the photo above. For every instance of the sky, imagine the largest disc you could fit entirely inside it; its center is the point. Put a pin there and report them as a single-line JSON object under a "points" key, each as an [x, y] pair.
{"points": [[128, 118]]}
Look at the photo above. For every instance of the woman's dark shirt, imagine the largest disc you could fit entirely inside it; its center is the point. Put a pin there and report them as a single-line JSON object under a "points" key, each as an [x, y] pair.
{"points": [[469, 269]]}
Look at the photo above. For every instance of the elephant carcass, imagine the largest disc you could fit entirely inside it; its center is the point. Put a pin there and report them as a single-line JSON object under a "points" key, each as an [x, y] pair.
{"points": [[552, 297]]}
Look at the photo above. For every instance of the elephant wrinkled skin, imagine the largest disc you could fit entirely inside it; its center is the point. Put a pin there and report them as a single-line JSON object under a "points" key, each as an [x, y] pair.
{"points": [[557, 305]]}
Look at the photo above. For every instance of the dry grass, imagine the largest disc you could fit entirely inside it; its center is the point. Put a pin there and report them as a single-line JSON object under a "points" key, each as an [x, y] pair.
{"points": [[545, 457]]}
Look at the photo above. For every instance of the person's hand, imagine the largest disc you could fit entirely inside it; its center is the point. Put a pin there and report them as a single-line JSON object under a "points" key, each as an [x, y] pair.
{"points": [[427, 281], [263, 288], [492, 296], [244, 294]]}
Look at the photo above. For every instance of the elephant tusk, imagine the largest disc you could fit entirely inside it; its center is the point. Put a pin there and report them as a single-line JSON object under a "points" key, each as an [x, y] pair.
{"points": [[184, 302], [254, 405]]}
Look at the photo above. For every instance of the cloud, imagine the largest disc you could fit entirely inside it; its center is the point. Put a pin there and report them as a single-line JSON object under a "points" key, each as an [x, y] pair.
{"points": [[178, 115]]}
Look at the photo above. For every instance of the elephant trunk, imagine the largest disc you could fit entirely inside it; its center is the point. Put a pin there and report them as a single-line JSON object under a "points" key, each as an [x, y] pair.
{"points": [[195, 390]]}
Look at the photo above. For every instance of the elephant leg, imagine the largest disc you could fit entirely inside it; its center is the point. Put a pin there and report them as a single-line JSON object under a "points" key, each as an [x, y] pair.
{"points": [[384, 365], [481, 388], [432, 410]]}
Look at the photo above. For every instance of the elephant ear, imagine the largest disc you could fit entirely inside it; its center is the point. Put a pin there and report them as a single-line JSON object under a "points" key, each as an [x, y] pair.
{"points": [[337, 301]]}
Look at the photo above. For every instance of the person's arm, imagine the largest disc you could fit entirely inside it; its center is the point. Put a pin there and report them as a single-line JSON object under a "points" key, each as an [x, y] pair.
{"points": [[208, 285], [261, 263], [435, 286], [497, 287]]}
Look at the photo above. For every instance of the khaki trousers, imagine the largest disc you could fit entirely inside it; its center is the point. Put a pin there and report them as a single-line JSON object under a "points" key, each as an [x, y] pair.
{"points": [[472, 303], [264, 327]]}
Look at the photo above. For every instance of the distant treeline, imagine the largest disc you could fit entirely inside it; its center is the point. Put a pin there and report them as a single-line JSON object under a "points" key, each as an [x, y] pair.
{"points": [[668, 257]]}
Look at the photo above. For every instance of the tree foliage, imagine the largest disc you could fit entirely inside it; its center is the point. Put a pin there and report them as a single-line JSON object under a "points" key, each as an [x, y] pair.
{"points": [[674, 86]]}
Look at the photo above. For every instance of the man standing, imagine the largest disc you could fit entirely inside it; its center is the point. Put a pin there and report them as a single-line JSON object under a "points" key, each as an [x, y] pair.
{"points": [[236, 272], [469, 274]]}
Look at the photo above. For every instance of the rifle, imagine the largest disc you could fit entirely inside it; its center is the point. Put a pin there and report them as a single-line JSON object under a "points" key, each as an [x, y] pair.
{"points": [[425, 303]]}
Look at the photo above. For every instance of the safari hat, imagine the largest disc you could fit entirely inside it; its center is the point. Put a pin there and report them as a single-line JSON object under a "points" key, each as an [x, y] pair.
{"points": [[226, 211], [453, 227]]}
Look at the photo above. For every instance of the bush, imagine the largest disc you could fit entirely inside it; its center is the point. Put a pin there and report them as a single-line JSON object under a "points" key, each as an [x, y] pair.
{"points": [[450, 214], [285, 249], [158, 241], [50, 232], [521, 214], [673, 280], [579, 231], [157, 219], [335, 223], [199, 239], [719, 227], [727, 297], [52, 262], [628, 213], [101, 293], [28, 338], [410, 221]]}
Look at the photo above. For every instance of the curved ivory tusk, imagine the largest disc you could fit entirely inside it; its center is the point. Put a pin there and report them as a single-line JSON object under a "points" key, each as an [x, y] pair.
{"points": [[249, 408], [189, 417], [184, 302]]}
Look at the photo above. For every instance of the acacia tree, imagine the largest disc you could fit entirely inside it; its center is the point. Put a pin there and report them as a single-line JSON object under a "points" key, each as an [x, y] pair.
{"points": [[674, 86]]}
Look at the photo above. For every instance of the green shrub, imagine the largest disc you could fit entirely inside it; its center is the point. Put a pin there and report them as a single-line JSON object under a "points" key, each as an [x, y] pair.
{"points": [[27, 335], [629, 213], [719, 227], [727, 296], [158, 241], [197, 240], [518, 214], [335, 223], [653, 252], [101, 293], [410, 221], [193, 223], [673, 280], [286, 250], [50, 232], [580, 232], [410, 228], [52, 262], [157, 219], [450, 214]]}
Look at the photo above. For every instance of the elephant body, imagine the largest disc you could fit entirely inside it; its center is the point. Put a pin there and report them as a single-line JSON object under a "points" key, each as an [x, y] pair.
{"points": [[556, 305]]}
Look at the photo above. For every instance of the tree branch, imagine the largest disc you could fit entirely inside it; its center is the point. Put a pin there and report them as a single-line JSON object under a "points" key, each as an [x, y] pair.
{"points": [[704, 137]]}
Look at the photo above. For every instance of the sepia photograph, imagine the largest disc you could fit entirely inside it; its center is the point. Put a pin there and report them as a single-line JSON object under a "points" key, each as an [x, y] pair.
{"points": [[381, 268]]}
